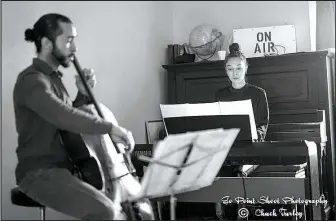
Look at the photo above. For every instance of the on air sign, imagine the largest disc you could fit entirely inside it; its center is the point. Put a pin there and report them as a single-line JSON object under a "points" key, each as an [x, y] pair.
{"points": [[258, 42]]}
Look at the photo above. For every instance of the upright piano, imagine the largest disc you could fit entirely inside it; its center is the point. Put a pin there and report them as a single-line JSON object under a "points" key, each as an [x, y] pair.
{"points": [[300, 89]]}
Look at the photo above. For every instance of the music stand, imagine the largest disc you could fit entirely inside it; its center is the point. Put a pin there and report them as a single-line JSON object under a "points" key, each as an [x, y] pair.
{"points": [[185, 162], [184, 124]]}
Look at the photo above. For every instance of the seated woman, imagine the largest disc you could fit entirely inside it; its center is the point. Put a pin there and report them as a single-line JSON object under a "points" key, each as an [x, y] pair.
{"points": [[239, 89], [236, 68]]}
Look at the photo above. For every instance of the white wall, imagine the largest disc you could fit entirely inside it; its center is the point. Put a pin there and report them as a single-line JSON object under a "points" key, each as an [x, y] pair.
{"points": [[230, 15], [325, 29], [124, 42]]}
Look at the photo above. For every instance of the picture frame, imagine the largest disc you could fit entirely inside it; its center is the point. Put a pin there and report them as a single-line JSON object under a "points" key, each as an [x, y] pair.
{"points": [[155, 131]]}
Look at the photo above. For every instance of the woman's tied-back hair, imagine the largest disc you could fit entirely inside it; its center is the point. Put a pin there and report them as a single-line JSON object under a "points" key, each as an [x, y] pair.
{"points": [[47, 26], [236, 53]]}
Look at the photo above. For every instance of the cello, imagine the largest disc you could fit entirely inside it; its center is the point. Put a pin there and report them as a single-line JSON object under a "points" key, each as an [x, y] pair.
{"points": [[104, 164]]}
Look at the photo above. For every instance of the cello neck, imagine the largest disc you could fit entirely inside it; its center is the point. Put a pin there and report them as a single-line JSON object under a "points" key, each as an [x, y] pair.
{"points": [[90, 94]]}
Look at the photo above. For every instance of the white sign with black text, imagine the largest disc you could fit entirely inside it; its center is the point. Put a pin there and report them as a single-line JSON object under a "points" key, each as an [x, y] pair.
{"points": [[258, 42]]}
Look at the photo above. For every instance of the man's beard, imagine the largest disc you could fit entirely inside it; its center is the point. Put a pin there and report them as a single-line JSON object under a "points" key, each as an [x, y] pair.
{"points": [[60, 58]]}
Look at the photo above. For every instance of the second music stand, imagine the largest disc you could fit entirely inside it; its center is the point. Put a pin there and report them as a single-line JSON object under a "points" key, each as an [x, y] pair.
{"points": [[185, 162]]}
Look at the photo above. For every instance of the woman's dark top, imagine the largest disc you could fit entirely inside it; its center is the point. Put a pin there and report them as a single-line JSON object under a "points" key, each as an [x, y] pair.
{"points": [[259, 104]]}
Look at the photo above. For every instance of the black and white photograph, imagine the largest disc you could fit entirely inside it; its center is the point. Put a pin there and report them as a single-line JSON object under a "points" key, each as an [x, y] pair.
{"points": [[168, 110]]}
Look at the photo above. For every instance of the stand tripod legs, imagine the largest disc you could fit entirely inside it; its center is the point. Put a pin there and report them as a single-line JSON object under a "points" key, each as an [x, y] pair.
{"points": [[159, 209], [172, 207]]}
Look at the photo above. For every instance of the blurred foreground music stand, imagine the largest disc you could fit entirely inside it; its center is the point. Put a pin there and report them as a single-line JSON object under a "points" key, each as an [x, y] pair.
{"points": [[185, 162]]}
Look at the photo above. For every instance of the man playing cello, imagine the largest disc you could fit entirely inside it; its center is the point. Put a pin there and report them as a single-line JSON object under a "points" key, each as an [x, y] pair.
{"points": [[42, 108]]}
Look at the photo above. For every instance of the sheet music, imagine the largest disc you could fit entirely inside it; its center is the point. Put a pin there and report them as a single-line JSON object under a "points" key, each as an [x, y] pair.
{"points": [[240, 107], [184, 110], [208, 154], [210, 150], [243, 107]]}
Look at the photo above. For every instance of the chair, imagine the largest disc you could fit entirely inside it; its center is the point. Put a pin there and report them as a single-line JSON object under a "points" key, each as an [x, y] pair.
{"points": [[20, 199]]}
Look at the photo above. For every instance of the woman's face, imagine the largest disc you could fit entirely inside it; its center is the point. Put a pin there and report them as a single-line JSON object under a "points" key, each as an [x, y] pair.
{"points": [[236, 70]]}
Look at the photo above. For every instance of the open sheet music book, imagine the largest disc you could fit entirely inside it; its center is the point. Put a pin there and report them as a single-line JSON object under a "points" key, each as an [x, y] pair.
{"points": [[209, 151], [243, 107]]}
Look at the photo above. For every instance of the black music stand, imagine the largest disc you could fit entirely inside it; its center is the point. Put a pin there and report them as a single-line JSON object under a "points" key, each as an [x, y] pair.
{"points": [[184, 124], [185, 162]]}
